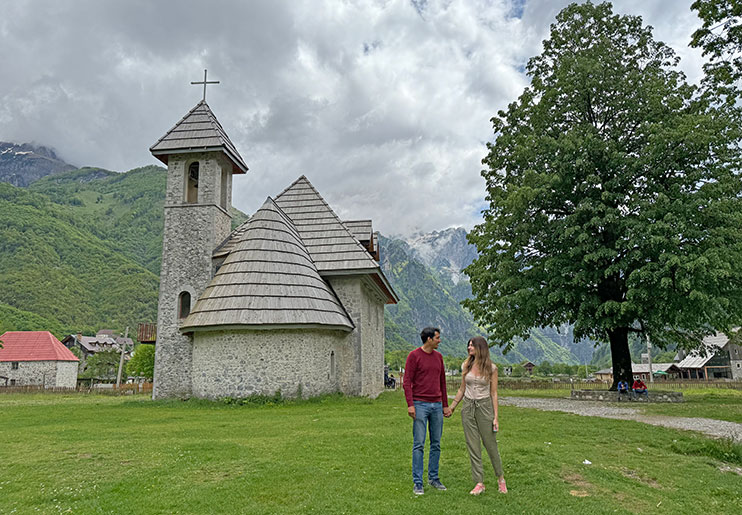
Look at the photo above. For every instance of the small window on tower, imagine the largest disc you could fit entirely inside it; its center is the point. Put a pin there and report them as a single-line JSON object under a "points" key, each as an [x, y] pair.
{"points": [[224, 185], [184, 304], [192, 183]]}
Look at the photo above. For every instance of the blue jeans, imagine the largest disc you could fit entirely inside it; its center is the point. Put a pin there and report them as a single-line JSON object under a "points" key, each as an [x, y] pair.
{"points": [[427, 415]]}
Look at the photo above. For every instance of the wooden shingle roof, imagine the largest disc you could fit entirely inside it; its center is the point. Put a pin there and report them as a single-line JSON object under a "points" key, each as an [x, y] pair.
{"points": [[268, 279], [361, 230], [198, 131], [330, 244]]}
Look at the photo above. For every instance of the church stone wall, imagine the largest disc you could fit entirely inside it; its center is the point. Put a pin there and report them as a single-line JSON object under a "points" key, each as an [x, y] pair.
{"points": [[366, 308], [348, 290], [372, 332], [191, 233], [240, 363], [50, 374]]}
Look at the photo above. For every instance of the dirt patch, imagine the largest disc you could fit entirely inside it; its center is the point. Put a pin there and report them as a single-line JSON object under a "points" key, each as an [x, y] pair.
{"points": [[727, 468], [710, 427], [633, 474], [579, 493]]}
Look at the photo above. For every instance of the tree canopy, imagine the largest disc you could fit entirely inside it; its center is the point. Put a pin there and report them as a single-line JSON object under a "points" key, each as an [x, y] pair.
{"points": [[720, 37], [142, 362], [614, 198]]}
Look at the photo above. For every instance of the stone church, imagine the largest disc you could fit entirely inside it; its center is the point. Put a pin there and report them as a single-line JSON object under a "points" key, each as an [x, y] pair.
{"points": [[291, 300]]}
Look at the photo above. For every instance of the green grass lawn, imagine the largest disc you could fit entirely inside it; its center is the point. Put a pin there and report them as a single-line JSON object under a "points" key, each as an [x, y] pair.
{"points": [[99, 454]]}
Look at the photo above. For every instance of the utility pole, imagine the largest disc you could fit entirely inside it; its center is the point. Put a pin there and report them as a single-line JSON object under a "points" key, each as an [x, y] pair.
{"points": [[121, 362], [649, 359]]}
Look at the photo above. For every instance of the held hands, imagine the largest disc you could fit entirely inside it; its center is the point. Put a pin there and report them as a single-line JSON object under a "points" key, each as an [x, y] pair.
{"points": [[447, 412], [495, 425], [411, 412]]}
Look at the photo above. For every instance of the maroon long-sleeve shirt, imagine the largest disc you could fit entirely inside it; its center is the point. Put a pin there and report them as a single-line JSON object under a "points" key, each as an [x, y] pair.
{"points": [[425, 377]]}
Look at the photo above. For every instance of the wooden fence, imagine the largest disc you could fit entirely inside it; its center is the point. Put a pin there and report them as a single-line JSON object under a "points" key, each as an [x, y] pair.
{"points": [[452, 384], [124, 389]]}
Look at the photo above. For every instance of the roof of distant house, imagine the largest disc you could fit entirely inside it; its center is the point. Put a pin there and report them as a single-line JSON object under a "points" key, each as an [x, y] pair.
{"points": [[711, 345], [33, 346], [643, 368], [102, 341]]}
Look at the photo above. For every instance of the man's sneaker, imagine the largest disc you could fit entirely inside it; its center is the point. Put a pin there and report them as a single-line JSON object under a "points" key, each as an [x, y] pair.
{"points": [[436, 483], [418, 490]]}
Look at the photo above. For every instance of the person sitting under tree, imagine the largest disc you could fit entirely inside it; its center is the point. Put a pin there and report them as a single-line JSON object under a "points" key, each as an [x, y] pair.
{"points": [[623, 388], [640, 388]]}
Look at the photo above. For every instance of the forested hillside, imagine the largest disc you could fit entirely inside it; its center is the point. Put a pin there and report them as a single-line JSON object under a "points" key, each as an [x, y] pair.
{"points": [[57, 272]]}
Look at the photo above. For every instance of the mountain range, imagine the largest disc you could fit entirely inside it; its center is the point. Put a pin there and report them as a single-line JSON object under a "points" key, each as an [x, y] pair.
{"points": [[80, 250]]}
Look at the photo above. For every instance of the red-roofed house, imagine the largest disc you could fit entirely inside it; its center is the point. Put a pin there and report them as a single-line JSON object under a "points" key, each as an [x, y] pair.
{"points": [[36, 358]]}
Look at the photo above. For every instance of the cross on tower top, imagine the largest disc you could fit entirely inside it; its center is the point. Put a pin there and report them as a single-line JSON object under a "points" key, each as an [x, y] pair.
{"points": [[205, 82]]}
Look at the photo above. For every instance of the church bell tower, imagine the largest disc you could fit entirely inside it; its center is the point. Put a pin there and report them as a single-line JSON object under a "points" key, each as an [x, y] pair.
{"points": [[200, 161]]}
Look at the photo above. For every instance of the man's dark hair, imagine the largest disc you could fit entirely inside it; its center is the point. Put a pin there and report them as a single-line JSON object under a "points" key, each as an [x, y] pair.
{"points": [[428, 332]]}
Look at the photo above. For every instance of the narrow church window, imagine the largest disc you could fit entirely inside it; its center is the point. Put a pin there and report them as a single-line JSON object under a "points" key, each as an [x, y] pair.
{"points": [[192, 183], [184, 304], [225, 182], [14, 365], [332, 366]]}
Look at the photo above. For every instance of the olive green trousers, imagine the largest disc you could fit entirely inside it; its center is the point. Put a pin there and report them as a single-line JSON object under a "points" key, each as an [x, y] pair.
{"points": [[476, 417]]}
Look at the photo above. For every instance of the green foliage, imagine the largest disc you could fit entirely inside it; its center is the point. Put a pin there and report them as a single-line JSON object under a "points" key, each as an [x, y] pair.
{"points": [[13, 319], [101, 365], [52, 265], [614, 196], [725, 449], [720, 37], [142, 362], [256, 400], [396, 358]]}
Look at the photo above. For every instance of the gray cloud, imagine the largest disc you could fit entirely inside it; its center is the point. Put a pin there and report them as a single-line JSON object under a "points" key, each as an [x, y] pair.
{"points": [[384, 105]]}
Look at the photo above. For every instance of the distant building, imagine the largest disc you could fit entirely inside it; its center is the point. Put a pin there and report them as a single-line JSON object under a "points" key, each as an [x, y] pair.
{"points": [[528, 366], [717, 359], [641, 371], [104, 340], [30, 358]]}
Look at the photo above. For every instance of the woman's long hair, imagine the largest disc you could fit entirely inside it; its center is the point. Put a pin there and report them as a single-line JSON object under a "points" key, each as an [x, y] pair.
{"points": [[481, 358]]}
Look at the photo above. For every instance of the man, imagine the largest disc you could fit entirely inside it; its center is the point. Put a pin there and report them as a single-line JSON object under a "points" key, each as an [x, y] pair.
{"points": [[640, 389], [427, 403]]}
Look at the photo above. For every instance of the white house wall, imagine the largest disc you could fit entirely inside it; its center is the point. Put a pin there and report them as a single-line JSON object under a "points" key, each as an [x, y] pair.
{"points": [[50, 374]]}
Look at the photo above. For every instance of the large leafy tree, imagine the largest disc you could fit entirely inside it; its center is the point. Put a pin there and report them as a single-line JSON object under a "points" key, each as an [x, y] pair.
{"points": [[720, 36], [142, 363], [614, 199]]}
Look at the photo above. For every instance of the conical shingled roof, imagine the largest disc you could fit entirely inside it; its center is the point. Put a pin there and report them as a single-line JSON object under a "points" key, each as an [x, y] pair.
{"points": [[198, 131], [268, 279], [329, 242]]}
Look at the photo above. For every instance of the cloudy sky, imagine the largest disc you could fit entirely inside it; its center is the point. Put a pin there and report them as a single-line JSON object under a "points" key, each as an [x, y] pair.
{"points": [[383, 104]]}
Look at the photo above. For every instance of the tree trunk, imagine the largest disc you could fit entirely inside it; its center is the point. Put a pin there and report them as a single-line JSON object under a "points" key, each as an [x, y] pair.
{"points": [[620, 356]]}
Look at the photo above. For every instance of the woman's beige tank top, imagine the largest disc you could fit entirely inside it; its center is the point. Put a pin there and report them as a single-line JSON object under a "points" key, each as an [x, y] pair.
{"points": [[477, 387]]}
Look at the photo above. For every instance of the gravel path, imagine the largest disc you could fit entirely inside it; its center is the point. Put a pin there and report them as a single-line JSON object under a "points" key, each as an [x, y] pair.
{"points": [[711, 427]]}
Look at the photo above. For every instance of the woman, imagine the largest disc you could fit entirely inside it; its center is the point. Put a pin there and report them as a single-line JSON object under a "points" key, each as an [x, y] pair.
{"points": [[479, 414]]}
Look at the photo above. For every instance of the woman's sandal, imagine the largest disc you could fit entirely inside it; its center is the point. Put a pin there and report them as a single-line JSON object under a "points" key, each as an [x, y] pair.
{"points": [[478, 489], [501, 485]]}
